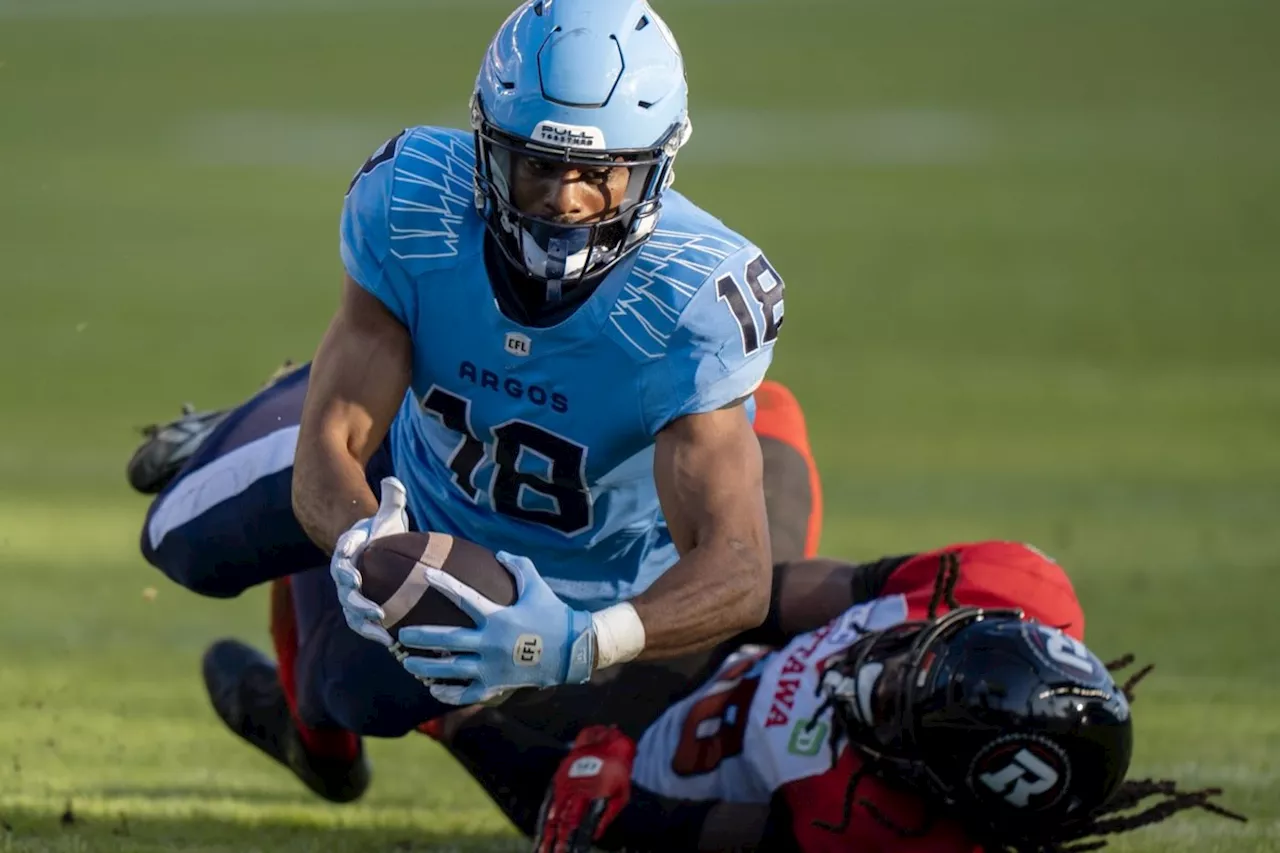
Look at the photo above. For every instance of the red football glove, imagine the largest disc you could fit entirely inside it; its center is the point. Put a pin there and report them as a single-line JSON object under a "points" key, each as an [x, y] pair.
{"points": [[591, 787]]}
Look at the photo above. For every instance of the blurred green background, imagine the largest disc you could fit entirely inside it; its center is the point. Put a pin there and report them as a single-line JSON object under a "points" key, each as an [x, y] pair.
{"points": [[1033, 257]]}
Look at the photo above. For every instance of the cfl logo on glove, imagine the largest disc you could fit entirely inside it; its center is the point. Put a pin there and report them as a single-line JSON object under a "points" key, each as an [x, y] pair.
{"points": [[585, 767], [528, 650]]}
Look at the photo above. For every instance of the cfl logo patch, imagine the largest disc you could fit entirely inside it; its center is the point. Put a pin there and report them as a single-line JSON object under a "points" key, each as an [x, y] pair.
{"points": [[517, 344], [585, 767], [528, 650]]}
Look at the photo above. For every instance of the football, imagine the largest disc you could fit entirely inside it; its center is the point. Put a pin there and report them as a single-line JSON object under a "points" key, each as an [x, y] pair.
{"points": [[393, 576]]}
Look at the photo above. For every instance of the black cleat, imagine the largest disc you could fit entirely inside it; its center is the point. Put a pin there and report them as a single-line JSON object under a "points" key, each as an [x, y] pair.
{"points": [[168, 447], [245, 691]]}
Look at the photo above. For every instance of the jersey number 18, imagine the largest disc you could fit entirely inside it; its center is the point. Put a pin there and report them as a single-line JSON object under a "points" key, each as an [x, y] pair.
{"points": [[565, 487]]}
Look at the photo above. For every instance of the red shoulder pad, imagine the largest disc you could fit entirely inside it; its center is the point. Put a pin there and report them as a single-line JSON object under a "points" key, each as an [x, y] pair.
{"points": [[993, 574]]}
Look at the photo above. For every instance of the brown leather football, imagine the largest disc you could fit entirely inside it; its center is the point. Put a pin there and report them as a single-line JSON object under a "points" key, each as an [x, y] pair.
{"points": [[393, 576]]}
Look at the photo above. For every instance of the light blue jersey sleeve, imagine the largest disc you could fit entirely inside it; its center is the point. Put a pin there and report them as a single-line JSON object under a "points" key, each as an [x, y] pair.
{"points": [[722, 344], [366, 231]]}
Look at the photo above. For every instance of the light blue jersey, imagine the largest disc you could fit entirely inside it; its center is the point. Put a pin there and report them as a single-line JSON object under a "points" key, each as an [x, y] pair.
{"points": [[539, 441]]}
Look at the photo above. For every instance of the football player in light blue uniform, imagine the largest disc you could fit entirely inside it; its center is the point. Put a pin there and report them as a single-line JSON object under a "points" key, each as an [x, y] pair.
{"points": [[540, 347], [537, 429], [571, 379]]}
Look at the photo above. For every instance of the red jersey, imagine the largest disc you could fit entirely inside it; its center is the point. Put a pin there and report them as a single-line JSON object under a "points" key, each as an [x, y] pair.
{"points": [[754, 730]]}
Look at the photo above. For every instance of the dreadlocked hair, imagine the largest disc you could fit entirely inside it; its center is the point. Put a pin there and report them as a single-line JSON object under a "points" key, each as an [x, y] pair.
{"points": [[1124, 662], [1120, 814], [944, 586], [944, 590]]}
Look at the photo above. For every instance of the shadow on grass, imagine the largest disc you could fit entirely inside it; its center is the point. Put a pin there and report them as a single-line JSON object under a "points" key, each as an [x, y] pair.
{"points": [[27, 830], [249, 796]]}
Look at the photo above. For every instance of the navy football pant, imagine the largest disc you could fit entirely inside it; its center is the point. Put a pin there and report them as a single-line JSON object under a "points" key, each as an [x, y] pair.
{"points": [[226, 523]]}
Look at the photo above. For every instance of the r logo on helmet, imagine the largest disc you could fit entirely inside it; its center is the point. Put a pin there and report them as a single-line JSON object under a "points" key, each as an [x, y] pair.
{"points": [[1022, 772]]}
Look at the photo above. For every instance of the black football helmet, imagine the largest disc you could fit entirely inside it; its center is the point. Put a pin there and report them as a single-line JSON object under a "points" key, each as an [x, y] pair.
{"points": [[1015, 725]]}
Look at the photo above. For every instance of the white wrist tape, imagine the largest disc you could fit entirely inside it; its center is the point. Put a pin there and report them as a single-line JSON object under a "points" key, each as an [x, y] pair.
{"points": [[619, 634]]}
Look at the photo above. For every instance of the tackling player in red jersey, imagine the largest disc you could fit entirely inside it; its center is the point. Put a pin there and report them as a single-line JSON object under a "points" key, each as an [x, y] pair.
{"points": [[942, 702]]}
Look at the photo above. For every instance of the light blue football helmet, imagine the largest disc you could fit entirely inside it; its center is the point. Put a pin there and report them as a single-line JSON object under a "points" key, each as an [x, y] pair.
{"points": [[586, 82]]}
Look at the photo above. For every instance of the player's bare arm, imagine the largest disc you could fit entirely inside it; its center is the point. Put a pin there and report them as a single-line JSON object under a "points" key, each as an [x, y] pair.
{"points": [[358, 379], [810, 593], [709, 475]]}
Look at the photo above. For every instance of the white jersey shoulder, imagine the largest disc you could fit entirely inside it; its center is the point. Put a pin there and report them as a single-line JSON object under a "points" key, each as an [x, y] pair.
{"points": [[754, 726]]}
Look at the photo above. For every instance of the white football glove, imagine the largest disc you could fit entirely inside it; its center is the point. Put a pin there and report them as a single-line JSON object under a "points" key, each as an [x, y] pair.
{"points": [[363, 616]]}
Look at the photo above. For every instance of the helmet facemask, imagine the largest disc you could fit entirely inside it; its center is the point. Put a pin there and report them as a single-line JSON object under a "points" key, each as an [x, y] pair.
{"points": [[876, 685], [563, 255]]}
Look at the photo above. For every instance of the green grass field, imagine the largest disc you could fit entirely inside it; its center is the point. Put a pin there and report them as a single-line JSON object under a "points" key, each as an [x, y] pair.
{"points": [[1034, 270]]}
